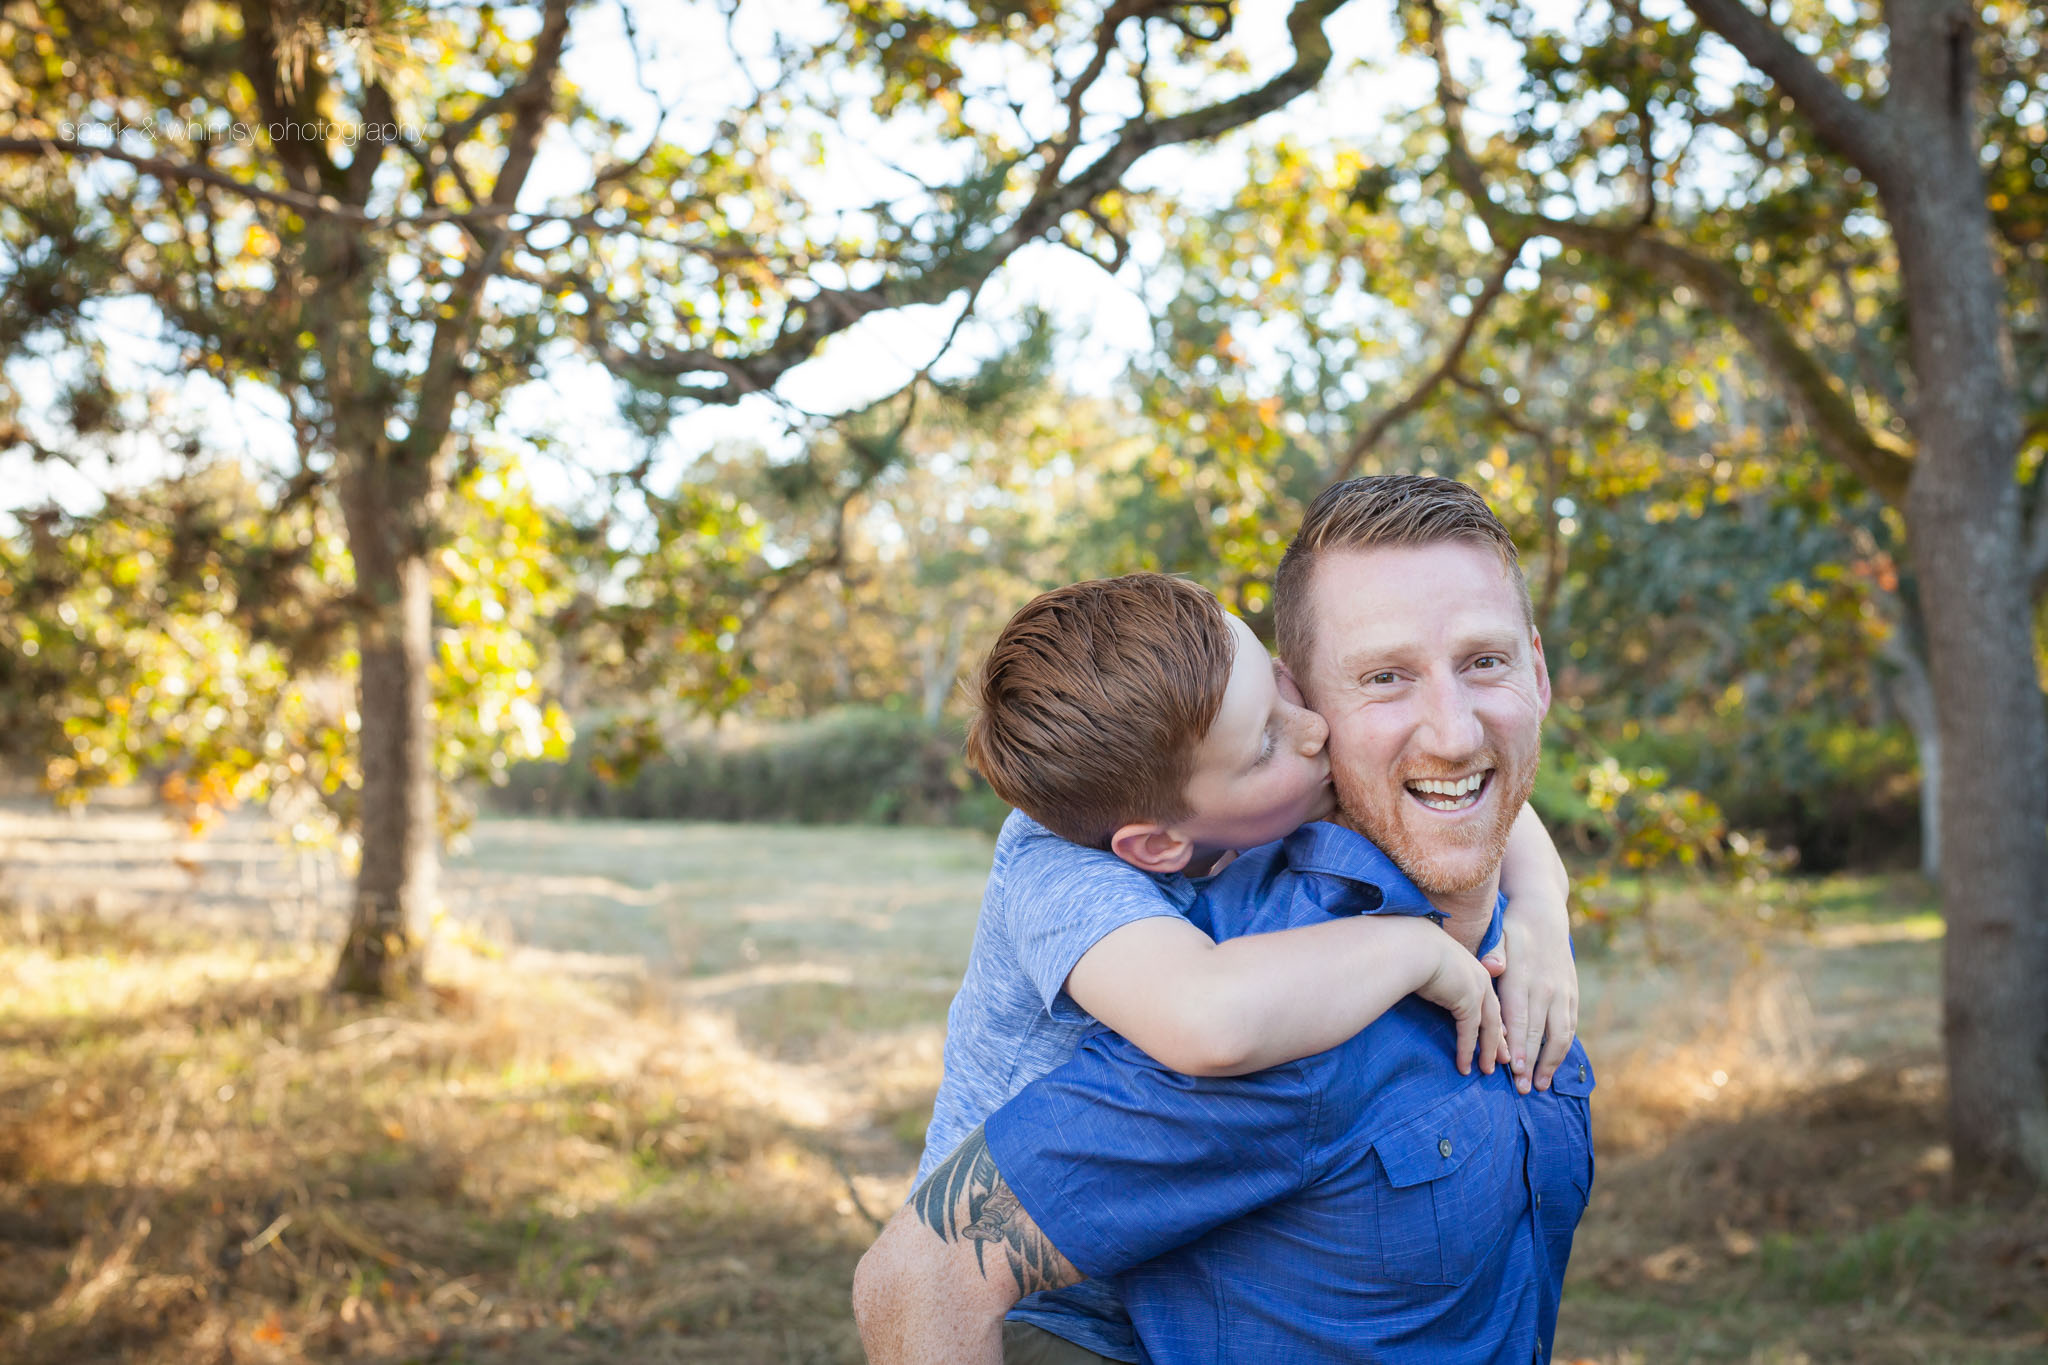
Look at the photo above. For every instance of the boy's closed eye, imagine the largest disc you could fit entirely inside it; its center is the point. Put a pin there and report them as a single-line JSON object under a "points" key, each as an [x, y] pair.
{"points": [[1268, 745]]}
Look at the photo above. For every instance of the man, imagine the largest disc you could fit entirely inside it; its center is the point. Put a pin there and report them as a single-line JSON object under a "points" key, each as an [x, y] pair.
{"points": [[1366, 1203]]}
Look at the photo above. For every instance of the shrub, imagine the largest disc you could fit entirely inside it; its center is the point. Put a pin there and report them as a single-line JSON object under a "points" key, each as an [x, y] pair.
{"points": [[858, 765]]}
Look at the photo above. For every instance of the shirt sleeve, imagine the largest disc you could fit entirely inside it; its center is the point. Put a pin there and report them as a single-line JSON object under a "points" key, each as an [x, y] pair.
{"points": [[1059, 901], [1118, 1159]]}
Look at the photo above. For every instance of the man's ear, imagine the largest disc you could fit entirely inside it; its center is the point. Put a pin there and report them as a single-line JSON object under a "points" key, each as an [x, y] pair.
{"points": [[1542, 669], [1152, 847]]}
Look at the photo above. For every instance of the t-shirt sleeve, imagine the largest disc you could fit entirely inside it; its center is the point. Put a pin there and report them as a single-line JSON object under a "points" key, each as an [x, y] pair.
{"points": [[1060, 899], [1118, 1159]]}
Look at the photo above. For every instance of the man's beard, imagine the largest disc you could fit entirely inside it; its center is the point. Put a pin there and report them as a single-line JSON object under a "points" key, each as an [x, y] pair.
{"points": [[1442, 861]]}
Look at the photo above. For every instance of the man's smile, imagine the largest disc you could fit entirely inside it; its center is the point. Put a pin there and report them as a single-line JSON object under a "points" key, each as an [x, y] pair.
{"points": [[1450, 795]]}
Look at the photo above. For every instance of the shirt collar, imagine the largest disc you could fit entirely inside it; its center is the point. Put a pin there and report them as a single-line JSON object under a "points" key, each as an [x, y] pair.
{"points": [[1336, 851]]}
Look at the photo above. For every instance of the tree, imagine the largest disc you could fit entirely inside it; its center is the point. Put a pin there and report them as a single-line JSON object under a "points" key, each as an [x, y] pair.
{"points": [[185, 632], [1858, 143], [336, 203]]}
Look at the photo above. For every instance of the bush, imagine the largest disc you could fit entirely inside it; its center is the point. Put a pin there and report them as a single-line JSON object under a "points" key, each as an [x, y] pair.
{"points": [[1843, 795], [859, 765]]}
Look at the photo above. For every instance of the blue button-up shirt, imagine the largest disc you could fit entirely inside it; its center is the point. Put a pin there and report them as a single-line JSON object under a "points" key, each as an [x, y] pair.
{"points": [[1364, 1204]]}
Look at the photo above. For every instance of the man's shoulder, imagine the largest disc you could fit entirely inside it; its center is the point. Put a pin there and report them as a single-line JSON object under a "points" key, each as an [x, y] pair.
{"points": [[1320, 870]]}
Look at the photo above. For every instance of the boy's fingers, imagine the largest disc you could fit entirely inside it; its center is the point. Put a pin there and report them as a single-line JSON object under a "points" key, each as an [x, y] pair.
{"points": [[1495, 962], [1563, 1027], [1490, 1032], [1529, 1046], [1514, 1015]]}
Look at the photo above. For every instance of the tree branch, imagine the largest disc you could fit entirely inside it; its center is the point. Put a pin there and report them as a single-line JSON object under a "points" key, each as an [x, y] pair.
{"points": [[1859, 134], [1139, 136], [262, 55], [830, 311], [1105, 43], [378, 112], [309, 205], [326, 205], [1551, 445], [1873, 457], [1446, 367], [531, 101]]}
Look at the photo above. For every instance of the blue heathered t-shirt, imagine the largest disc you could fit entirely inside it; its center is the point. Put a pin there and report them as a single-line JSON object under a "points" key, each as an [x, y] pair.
{"points": [[1048, 902]]}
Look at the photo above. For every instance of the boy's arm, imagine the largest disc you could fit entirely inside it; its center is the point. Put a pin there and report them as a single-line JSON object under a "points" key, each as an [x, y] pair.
{"points": [[1248, 1003], [1539, 992]]}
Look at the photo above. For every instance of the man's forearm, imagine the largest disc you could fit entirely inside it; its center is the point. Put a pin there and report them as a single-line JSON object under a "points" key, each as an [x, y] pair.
{"points": [[934, 1287]]}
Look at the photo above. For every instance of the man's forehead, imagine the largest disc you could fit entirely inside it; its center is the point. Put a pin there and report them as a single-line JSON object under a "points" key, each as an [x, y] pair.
{"points": [[1362, 599], [1384, 580]]}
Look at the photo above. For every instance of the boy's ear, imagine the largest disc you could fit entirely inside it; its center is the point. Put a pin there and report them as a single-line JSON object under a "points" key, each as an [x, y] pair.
{"points": [[1151, 847]]}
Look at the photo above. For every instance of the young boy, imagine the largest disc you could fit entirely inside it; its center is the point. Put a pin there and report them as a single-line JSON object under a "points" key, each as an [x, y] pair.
{"points": [[1143, 734]]}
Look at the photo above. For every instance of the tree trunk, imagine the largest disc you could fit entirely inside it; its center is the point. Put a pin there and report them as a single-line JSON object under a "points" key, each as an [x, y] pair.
{"points": [[939, 669], [1964, 523], [384, 954]]}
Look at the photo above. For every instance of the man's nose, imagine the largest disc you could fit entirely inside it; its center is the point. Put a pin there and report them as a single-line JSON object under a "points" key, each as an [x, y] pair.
{"points": [[1452, 725]]}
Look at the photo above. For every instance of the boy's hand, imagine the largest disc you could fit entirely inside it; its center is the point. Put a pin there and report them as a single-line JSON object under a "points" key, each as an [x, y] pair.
{"points": [[1464, 986], [1539, 1002]]}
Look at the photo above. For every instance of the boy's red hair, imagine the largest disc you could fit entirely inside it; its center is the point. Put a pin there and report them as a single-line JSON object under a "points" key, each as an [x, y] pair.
{"points": [[1095, 698]]}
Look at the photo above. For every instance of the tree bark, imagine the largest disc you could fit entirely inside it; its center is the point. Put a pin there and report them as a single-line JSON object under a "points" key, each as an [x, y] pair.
{"points": [[384, 953], [389, 495], [1964, 524]]}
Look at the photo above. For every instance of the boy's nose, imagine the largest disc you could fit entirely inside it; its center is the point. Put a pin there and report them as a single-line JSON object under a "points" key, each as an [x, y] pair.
{"points": [[1312, 733]]}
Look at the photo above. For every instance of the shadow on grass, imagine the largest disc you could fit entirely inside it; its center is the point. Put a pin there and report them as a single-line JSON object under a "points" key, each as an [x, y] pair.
{"points": [[274, 1174]]}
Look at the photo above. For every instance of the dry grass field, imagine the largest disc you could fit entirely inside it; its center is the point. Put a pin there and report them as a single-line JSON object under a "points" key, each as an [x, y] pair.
{"points": [[669, 1075]]}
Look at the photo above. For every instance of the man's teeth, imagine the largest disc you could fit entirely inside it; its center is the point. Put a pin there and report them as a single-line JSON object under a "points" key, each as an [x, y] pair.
{"points": [[1448, 794], [1439, 787]]}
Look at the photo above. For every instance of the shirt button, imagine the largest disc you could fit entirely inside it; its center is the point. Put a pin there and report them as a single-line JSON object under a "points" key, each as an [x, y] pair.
{"points": [[1582, 1071], [1443, 1148], [1539, 1201]]}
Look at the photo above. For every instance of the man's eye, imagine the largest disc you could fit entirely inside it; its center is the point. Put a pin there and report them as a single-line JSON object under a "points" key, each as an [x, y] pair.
{"points": [[1489, 661], [1384, 678]]}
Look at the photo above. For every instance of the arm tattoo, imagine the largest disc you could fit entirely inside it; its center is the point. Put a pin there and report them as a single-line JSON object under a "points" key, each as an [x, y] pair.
{"points": [[966, 1197]]}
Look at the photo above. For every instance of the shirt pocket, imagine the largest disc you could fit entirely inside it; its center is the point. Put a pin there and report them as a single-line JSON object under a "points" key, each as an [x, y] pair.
{"points": [[1453, 1188]]}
